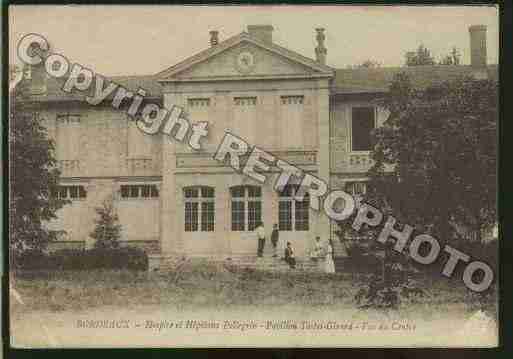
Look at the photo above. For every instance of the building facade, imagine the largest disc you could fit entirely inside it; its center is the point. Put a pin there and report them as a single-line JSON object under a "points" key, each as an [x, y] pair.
{"points": [[172, 200]]}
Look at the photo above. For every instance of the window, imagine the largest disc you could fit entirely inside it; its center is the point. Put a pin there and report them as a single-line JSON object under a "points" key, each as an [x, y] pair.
{"points": [[199, 209], [356, 188], [363, 122], [292, 121], [139, 191], [198, 109], [245, 118], [68, 136], [292, 100], [198, 102], [75, 192], [245, 101], [246, 207], [293, 214]]}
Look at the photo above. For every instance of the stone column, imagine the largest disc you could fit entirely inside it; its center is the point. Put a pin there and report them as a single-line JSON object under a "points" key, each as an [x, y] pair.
{"points": [[222, 220], [323, 154], [170, 233], [269, 200]]}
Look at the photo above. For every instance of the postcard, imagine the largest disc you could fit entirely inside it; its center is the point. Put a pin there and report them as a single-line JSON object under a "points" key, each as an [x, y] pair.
{"points": [[253, 176]]}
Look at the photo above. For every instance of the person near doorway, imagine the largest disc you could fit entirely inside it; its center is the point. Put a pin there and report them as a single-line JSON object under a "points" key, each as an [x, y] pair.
{"points": [[275, 237], [289, 256], [329, 264], [317, 250], [260, 232]]}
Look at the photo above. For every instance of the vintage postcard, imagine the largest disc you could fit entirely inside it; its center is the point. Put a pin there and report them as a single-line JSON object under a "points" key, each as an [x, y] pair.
{"points": [[253, 176]]}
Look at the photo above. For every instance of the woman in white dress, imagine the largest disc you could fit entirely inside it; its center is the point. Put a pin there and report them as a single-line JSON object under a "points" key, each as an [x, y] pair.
{"points": [[329, 265]]}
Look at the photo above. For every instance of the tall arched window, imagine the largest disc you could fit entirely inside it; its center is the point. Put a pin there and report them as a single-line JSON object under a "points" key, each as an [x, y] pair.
{"points": [[246, 207], [292, 214], [199, 209]]}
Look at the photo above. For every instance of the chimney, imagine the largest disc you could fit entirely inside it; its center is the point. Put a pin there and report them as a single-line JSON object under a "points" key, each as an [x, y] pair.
{"points": [[214, 37], [477, 46], [261, 32], [320, 50], [35, 76]]}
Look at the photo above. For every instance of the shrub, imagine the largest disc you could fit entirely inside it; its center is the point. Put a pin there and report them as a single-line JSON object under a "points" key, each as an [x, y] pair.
{"points": [[108, 230], [79, 259]]}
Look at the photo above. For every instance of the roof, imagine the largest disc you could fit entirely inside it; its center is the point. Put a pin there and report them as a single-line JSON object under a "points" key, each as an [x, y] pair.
{"points": [[133, 83], [234, 41], [368, 80], [345, 81]]}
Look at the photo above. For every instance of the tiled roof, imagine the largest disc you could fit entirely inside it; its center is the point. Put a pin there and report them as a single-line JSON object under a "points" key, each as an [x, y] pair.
{"points": [[365, 80], [346, 81], [133, 83], [147, 82]]}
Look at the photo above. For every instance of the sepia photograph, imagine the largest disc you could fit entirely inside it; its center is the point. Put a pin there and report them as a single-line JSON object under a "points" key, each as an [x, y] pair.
{"points": [[253, 176]]}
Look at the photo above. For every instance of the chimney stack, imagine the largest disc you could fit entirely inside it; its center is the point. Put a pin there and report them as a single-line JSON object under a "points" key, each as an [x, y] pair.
{"points": [[214, 37], [477, 46], [261, 32], [320, 50], [35, 76]]}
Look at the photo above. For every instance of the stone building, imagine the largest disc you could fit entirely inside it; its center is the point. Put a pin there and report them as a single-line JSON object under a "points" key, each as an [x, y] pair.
{"points": [[172, 200]]}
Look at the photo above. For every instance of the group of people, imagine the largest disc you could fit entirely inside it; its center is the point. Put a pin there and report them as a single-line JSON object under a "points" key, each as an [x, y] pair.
{"points": [[319, 253]]}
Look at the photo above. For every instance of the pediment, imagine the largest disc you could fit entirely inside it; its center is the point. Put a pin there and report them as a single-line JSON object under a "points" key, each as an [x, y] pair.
{"points": [[245, 57]]}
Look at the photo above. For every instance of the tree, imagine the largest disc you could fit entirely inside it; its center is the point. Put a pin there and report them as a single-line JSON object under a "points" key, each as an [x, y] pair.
{"points": [[369, 64], [435, 156], [420, 57], [451, 59], [33, 178], [108, 230]]}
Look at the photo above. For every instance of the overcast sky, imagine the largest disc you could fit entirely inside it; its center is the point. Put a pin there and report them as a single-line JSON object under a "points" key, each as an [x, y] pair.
{"points": [[129, 40]]}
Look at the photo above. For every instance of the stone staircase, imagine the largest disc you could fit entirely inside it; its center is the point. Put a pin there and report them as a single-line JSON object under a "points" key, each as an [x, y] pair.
{"points": [[265, 263], [251, 261], [274, 264]]}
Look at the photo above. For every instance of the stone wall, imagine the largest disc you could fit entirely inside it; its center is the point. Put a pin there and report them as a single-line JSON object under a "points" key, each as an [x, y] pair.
{"points": [[104, 146], [104, 158]]}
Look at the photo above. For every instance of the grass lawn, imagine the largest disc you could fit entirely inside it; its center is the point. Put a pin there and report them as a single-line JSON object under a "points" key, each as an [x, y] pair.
{"points": [[54, 301], [212, 286]]}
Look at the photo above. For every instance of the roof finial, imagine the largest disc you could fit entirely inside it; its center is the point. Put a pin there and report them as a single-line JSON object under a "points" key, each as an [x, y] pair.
{"points": [[214, 37], [320, 50]]}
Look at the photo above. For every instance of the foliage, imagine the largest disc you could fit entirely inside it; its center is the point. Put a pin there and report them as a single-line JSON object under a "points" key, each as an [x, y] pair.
{"points": [[420, 57], [435, 169], [390, 286], [80, 259], [108, 230], [451, 59], [367, 64], [435, 156], [33, 177]]}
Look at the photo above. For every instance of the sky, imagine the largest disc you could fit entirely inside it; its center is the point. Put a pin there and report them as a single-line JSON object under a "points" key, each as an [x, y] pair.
{"points": [[146, 39]]}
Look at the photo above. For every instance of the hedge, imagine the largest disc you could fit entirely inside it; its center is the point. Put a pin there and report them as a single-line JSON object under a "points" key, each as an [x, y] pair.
{"points": [[80, 259]]}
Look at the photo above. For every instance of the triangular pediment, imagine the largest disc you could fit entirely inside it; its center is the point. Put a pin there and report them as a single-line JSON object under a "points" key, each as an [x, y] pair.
{"points": [[245, 57]]}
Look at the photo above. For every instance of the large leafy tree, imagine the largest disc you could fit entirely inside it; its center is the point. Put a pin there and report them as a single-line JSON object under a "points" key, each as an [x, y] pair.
{"points": [[435, 156], [33, 176]]}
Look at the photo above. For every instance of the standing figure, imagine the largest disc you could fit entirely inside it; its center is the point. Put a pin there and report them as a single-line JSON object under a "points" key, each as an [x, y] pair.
{"points": [[289, 256], [260, 231], [275, 236], [317, 250], [329, 264]]}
